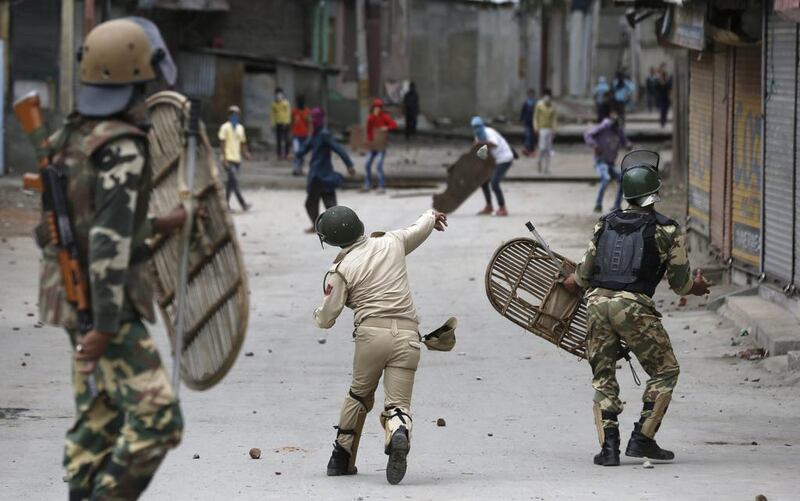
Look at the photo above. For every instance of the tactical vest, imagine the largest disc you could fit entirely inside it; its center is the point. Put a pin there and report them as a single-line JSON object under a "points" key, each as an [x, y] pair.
{"points": [[74, 146], [627, 257]]}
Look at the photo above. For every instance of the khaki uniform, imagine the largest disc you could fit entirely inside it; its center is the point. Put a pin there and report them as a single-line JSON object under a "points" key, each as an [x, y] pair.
{"points": [[130, 417], [370, 277], [615, 316]]}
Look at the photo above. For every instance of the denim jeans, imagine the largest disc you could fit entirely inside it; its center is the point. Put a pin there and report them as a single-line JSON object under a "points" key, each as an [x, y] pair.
{"points": [[530, 138], [232, 186], [368, 177], [297, 142], [607, 173], [499, 173]]}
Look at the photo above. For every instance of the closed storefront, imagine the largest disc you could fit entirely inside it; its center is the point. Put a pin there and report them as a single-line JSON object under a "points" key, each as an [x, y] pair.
{"points": [[701, 73], [747, 158], [780, 149], [721, 154]]}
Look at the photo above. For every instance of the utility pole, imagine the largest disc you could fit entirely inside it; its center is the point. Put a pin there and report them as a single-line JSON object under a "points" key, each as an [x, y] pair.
{"points": [[66, 74], [88, 16], [363, 65]]}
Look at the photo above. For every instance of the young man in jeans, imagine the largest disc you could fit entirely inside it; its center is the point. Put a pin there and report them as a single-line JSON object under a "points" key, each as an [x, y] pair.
{"points": [[606, 138], [233, 145], [378, 119]]}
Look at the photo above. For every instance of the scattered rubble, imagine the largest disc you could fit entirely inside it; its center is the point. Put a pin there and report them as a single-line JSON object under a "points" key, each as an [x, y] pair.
{"points": [[752, 354], [255, 453]]}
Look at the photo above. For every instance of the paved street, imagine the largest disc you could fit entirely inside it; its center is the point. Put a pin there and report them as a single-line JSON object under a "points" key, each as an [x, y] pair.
{"points": [[518, 411]]}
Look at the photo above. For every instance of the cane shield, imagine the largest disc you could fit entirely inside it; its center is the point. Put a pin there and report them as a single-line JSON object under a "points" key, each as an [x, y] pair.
{"points": [[217, 299], [523, 285]]}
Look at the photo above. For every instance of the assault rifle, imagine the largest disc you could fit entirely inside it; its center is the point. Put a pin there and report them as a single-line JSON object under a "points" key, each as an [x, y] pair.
{"points": [[51, 183]]}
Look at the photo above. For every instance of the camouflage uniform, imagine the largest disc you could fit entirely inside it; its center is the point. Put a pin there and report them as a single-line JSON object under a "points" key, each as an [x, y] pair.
{"points": [[632, 317], [124, 428]]}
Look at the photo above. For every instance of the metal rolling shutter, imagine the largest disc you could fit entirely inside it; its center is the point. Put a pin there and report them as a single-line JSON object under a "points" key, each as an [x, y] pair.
{"points": [[780, 125], [700, 93], [747, 160], [720, 195]]}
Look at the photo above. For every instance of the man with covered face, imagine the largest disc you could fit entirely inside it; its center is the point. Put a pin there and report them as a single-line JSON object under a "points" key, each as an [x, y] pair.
{"points": [[606, 138], [127, 412]]}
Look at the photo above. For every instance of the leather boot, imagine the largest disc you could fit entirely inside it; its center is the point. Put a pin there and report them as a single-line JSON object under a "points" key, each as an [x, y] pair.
{"points": [[397, 450], [642, 446], [609, 451], [338, 463]]}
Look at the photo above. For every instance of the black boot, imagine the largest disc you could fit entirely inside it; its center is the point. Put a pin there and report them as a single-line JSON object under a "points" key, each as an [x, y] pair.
{"points": [[338, 463], [642, 446], [397, 451], [609, 452]]}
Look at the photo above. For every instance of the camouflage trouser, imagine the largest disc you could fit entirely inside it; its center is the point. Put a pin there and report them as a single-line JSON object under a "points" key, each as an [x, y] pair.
{"points": [[611, 319], [121, 434]]}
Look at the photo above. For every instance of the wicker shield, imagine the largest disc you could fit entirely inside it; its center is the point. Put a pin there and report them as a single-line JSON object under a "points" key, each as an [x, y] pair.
{"points": [[522, 284], [217, 299]]}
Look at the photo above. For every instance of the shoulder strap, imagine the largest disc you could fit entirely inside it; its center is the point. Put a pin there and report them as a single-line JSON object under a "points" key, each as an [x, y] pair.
{"points": [[663, 220], [106, 131]]}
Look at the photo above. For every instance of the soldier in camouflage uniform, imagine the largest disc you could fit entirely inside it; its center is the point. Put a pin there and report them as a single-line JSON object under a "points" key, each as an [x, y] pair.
{"points": [[629, 255], [127, 413]]}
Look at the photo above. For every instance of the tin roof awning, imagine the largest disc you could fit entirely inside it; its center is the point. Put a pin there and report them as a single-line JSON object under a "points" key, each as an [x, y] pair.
{"points": [[196, 5], [651, 3], [267, 62]]}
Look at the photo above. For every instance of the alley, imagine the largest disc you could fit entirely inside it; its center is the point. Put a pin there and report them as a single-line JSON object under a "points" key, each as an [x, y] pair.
{"points": [[517, 410]]}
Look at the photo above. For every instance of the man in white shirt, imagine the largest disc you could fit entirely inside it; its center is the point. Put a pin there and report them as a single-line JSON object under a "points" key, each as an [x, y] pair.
{"points": [[233, 144], [369, 276], [503, 158]]}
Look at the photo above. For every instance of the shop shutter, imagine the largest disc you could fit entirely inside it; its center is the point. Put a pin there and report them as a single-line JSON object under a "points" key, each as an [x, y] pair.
{"points": [[780, 127], [747, 160], [701, 73], [721, 158]]}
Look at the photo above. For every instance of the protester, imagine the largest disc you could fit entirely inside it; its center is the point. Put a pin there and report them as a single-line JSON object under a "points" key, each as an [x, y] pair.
{"points": [[233, 145], [301, 121], [622, 88], [601, 97], [606, 138], [650, 88], [605, 106], [663, 88], [322, 179], [378, 119], [503, 158], [526, 118], [411, 109], [281, 117], [545, 122]]}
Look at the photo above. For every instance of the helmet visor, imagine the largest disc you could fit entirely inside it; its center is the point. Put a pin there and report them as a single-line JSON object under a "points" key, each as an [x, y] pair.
{"points": [[103, 100], [640, 157], [161, 56]]}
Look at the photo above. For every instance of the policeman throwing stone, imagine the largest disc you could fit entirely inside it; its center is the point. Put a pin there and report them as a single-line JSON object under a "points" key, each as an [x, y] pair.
{"points": [[127, 414], [630, 253], [369, 276]]}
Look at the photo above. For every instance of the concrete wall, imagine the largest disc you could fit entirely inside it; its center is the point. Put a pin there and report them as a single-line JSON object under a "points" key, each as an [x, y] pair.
{"points": [[468, 59], [443, 41]]}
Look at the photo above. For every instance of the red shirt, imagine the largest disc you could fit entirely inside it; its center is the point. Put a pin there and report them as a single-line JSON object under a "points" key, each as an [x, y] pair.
{"points": [[382, 119], [300, 119]]}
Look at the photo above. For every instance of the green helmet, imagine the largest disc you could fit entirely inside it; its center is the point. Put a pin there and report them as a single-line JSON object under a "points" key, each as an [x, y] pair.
{"points": [[339, 226], [639, 182]]}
